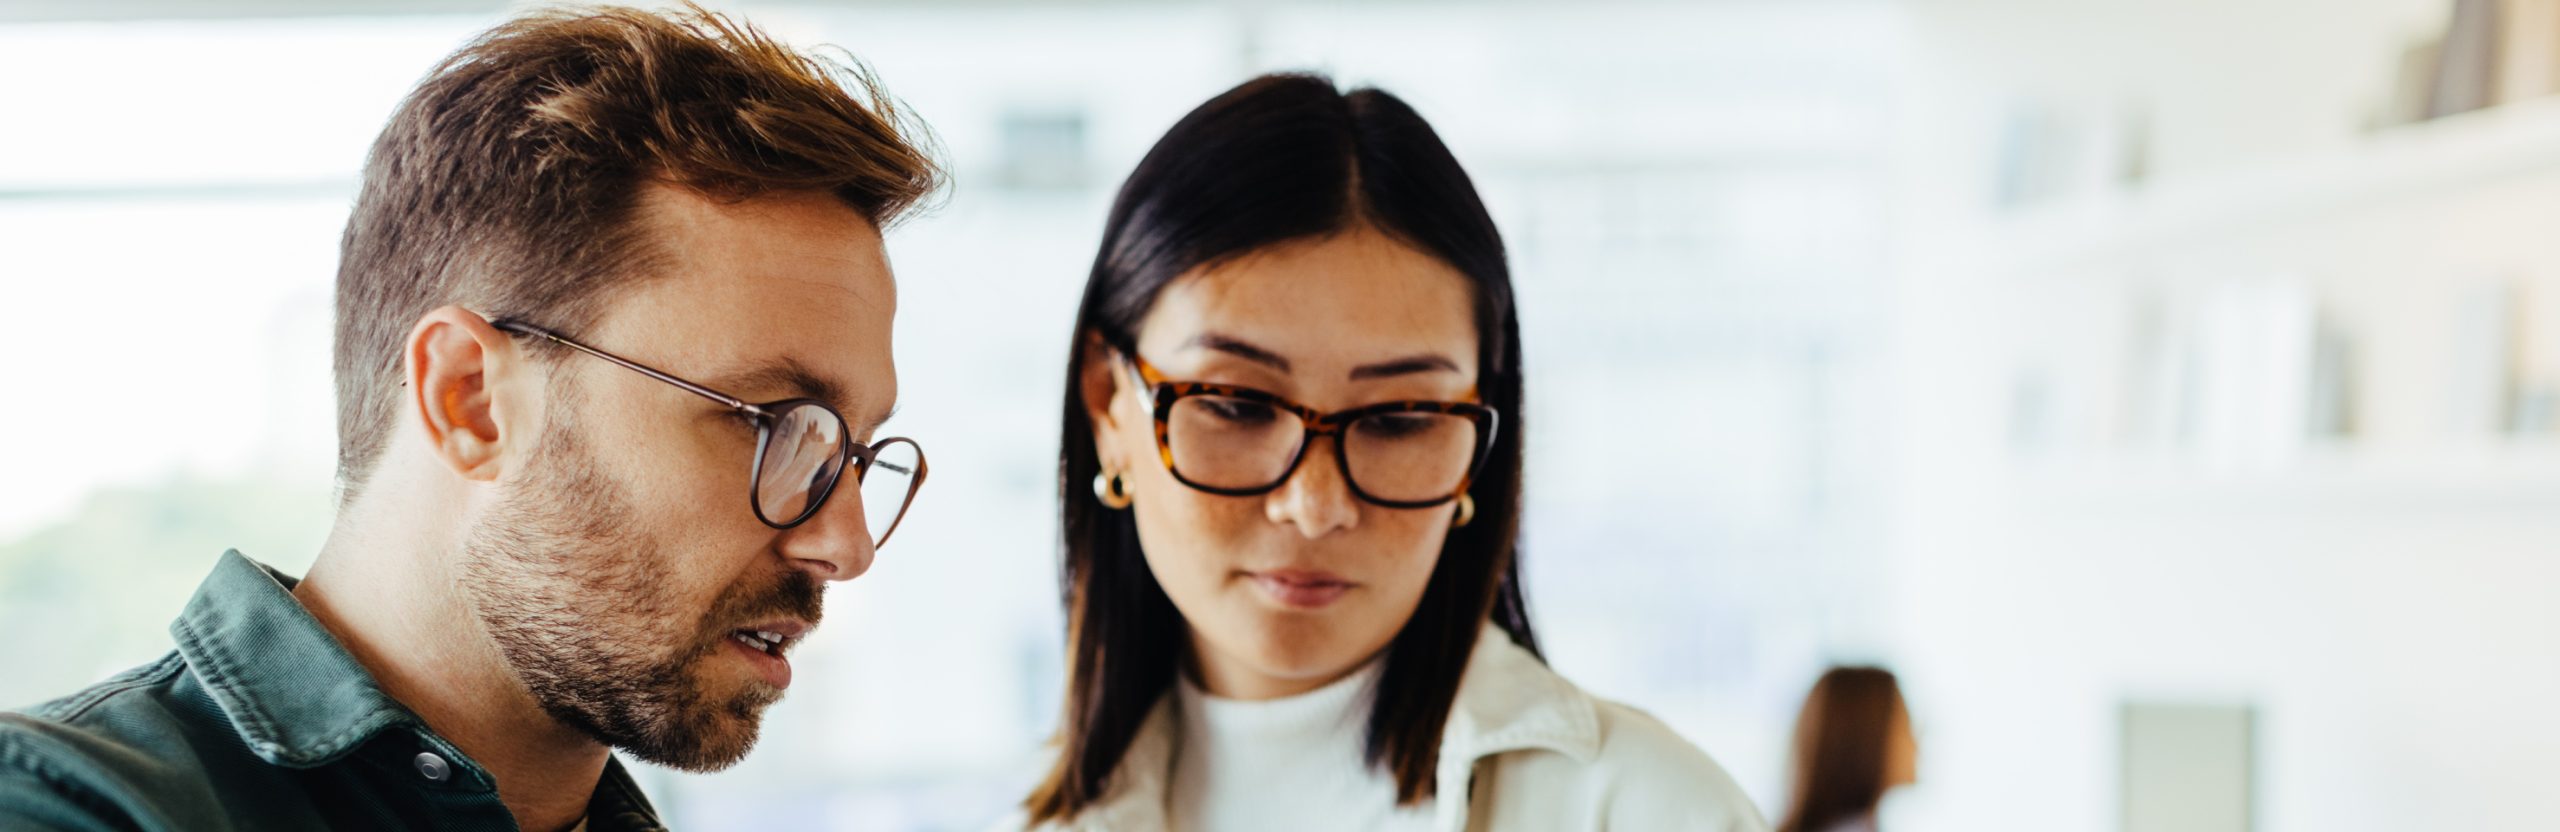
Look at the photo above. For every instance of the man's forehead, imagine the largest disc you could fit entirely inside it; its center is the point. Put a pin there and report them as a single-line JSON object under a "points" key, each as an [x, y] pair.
{"points": [[775, 297]]}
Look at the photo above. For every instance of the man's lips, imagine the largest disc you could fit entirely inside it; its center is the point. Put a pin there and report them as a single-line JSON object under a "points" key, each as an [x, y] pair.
{"points": [[1300, 589], [765, 644]]}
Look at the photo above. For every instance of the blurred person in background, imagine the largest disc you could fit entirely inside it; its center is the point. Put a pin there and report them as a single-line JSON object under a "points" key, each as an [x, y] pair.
{"points": [[1853, 743], [544, 550], [1292, 469]]}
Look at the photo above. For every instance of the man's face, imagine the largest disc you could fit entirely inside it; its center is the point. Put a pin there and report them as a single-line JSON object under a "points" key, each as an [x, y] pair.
{"points": [[618, 573]]}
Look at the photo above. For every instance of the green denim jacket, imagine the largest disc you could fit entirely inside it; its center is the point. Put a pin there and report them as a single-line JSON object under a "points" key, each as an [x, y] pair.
{"points": [[259, 720]]}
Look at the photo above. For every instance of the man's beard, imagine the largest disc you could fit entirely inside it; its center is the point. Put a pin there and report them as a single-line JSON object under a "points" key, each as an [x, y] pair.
{"points": [[576, 596]]}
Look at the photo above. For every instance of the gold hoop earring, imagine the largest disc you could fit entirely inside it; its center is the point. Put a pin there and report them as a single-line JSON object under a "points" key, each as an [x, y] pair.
{"points": [[1466, 511], [1108, 488]]}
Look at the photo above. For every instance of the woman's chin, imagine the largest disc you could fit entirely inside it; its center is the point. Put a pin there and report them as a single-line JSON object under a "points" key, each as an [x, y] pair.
{"points": [[1294, 656]]}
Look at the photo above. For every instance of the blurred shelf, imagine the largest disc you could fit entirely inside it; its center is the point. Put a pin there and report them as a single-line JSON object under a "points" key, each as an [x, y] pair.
{"points": [[2488, 146]]}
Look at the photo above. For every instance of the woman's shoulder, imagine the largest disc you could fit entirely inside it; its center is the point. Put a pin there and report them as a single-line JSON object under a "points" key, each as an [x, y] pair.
{"points": [[1637, 773], [1635, 738], [1558, 746], [1652, 768]]}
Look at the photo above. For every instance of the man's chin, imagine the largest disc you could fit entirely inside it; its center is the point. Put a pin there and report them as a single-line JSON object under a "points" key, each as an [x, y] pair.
{"points": [[710, 740], [709, 730]]}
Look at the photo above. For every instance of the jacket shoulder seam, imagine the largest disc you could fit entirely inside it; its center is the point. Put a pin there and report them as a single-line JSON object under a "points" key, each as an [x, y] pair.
{"points": [[18, 754], [79, 704]]}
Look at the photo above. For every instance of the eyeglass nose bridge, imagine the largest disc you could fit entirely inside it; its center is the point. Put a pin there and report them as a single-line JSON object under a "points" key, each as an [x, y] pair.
{"points": [[1332, 425], [1315, 424], [1326, 426]]}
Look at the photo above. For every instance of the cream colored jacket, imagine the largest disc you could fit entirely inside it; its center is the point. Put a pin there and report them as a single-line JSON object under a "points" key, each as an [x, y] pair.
{"points": [[1539, 754]]}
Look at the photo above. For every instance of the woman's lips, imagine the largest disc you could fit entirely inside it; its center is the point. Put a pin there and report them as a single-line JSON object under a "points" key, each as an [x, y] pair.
{"points": [[1300, 589]]}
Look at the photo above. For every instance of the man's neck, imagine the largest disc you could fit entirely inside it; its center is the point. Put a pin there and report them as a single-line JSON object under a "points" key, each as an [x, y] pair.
{"points": [[388, 598]]}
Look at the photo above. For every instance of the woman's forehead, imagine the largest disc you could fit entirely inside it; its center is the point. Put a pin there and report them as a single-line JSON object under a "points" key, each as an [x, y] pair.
{"points": [[1347, 300]]}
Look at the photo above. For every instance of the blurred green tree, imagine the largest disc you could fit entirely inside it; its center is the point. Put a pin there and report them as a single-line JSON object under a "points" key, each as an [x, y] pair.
{"points": [[93, 593]]}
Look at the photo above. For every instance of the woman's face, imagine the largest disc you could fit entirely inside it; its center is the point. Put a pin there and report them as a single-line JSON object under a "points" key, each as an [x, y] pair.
{"points": [[1289, 590], [1902, 751]]}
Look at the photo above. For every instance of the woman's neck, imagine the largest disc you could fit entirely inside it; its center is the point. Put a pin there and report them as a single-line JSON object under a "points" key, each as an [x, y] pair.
{"points": [[1226, 678]]}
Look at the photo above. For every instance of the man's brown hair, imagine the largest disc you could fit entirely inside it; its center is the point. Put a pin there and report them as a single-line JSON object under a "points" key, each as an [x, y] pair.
{"points": [[510, 181]]}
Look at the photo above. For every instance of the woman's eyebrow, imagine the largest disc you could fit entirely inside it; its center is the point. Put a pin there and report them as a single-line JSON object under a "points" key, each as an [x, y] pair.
{"points": [[1239, 348], [1427, 362]]}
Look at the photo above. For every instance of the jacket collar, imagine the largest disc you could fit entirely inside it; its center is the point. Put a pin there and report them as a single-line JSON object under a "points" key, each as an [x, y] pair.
{"points": [[299, 700], [294, 694], [1508, 700], [1142, 782]]}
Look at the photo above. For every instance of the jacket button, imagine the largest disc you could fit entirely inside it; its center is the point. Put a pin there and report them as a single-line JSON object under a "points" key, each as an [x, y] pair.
{"points": [[432, 767]]}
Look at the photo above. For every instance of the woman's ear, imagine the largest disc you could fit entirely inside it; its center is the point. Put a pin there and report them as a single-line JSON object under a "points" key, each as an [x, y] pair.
{"points": [[1101, 384]]}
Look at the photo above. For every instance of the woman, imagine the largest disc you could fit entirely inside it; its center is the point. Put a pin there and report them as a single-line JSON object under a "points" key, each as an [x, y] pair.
{"points": [[1853, 743], [1291, 592]]}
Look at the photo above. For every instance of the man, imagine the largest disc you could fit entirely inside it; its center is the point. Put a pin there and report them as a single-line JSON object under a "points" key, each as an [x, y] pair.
{"points": [[612, 327]]}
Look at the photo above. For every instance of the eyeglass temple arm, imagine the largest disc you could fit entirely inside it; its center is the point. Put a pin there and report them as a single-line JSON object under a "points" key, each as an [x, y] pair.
{"points": [[634, 366]]}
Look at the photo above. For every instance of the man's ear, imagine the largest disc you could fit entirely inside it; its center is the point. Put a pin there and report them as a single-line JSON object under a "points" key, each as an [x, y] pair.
{"points": [[1102, 383], [455, 362]]}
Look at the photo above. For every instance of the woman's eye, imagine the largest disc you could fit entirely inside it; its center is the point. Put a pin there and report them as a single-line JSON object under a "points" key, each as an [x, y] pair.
{"points": [[1394, 425], [1239, 411]]}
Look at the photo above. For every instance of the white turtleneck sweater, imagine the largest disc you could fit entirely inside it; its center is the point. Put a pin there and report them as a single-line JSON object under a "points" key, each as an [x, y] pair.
{"points": [[1293, 763]]}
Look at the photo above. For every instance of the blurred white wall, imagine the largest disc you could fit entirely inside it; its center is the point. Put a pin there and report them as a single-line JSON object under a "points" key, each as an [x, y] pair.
{"points": [[2212, 434]]}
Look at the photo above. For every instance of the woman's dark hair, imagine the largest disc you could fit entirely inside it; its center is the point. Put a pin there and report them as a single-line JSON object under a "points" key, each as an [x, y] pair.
{"points": [[1843, 739], [1278, 159]]}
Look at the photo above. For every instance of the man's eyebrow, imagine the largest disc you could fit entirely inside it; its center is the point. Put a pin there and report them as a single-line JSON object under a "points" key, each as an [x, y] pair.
{"points": [[784, 375], [863, 428]]}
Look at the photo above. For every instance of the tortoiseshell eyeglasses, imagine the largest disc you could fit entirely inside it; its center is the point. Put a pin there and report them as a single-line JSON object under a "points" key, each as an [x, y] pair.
{"points": [[1238, 441]]}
